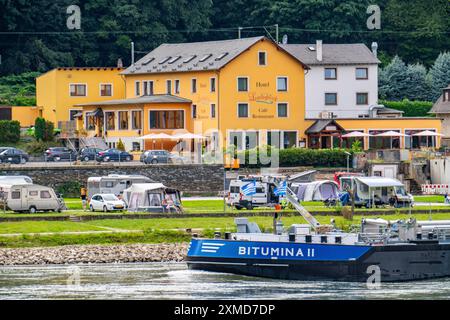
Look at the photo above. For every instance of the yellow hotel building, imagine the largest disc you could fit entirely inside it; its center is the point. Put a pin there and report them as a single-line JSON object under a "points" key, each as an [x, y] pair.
{"points": [[247, 92]]}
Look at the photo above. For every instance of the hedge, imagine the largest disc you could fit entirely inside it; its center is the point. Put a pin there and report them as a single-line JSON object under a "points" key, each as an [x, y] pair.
{"points": [[295, 157], [9, 131], [411, 108]]}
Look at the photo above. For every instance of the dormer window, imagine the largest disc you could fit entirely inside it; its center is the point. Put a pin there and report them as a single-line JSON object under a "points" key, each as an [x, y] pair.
{"points": [[189, 59], [205, 57], [174, 59], [164, 60], [446, 95]]}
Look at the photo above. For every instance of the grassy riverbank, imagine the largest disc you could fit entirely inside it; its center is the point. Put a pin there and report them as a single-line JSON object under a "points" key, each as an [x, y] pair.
{"points": [[129, 231]]}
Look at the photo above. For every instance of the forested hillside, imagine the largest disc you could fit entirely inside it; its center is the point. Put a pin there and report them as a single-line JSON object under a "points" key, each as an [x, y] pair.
{"points": [[34, 35]]}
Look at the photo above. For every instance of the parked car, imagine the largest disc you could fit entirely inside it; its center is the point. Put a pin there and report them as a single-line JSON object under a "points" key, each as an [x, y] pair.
{"points": [[13, 155], [87, 154], [60, 154], [161, 156], [106, 202], [113, 155]]}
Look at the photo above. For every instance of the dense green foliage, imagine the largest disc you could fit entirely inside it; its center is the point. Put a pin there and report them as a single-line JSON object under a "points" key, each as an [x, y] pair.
{"points": [[411, 108], [9, 131], [293, 157], [43, 130], [35, 36], [398, 81], [18, 90]]}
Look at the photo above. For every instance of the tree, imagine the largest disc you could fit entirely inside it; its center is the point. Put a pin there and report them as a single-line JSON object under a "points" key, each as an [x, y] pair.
{"points": [[120, 145], [49, 131], [439, 75], [392, 84], [416, 83], [39, 129]]}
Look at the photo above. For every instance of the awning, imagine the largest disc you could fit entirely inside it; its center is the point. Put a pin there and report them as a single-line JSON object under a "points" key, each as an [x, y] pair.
{"points": [[97, 113], [356, 134], [78, 114], [374, 182], [187, 136], [391, 134], [156, 136], [427, 133]]}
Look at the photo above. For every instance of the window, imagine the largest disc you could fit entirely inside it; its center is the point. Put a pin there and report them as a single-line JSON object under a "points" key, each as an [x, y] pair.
{"points": [[136, 120], [136, 146], [164, 60], [110, 119], [362, 98], [169, 86], [242, 84], [330, 74], [251, 139], [194, 85], [174, 59], [45, 195], [282, 110], [262, 58], [15, 195], [167, 119], [137, 88], [78, 90], [33, 193], [273, 139], [148, 88], [205, 57], [212, 84], [177, 86], [282, 84], [243, 110], [330, 98], [213, 111], [289, 139], [362, 73], [189, 59], [106, 90], [194, 111], [123, 120], [221, 56]]}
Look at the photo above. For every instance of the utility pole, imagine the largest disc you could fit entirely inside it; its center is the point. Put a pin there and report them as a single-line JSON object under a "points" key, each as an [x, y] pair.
{"points": [[276, 32], [132, 53]]}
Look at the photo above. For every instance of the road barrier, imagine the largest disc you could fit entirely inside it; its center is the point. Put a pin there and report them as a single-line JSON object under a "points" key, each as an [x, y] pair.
{"points": [[435, 188]]}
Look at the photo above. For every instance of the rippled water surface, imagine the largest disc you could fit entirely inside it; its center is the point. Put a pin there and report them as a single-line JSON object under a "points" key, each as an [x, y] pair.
{"points": [[175, 281]]}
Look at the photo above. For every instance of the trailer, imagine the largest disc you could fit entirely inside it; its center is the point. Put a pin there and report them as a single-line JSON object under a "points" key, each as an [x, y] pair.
{"points": [[113, 183]]}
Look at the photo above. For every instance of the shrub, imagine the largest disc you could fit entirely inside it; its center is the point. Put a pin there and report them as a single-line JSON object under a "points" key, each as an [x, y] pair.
{"points": [[69, 189], [410, 108], [120, 145], [9, 131], [43, 130], [37, 148]]}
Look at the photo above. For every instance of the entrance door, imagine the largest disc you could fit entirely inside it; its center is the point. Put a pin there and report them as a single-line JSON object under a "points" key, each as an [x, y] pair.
{"points": [[325, 141]]}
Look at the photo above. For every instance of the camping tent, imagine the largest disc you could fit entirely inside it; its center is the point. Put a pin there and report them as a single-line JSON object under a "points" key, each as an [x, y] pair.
{"points": [[153, 197], [316, 190]]}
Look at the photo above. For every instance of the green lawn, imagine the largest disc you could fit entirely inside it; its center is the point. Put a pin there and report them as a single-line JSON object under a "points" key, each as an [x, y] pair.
{"points": [[44, 226], [431, 198]]}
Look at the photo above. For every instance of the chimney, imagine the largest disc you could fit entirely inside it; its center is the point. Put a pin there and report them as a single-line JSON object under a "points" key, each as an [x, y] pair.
{"points": [[319, 50], [119, 63], [374, 49]]}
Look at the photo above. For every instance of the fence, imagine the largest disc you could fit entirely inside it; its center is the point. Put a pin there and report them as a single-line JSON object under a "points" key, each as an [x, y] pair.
{"points": [[435, 188]]}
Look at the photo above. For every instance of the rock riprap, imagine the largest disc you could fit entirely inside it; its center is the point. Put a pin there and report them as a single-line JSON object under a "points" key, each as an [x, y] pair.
{"points": [[164, 252]]}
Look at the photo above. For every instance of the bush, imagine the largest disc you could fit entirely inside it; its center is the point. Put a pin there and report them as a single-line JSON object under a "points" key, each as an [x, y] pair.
{"points": [[43, 130], [69, 189], [37, 148], [120, 145], [411, 108], [295, 157], [9, 131]]}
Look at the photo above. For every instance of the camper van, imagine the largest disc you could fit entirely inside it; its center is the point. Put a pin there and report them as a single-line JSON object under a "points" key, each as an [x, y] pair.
{"points": [[31, 198], [374, 191], [113, 183], [263, 197]]}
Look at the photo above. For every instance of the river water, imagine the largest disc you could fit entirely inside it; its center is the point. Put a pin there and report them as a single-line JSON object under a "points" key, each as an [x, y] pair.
{"points": [[175, 281]]}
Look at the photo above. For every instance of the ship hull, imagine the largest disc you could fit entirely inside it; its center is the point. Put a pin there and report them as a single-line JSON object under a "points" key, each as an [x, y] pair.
{"points": [[387, 263]]}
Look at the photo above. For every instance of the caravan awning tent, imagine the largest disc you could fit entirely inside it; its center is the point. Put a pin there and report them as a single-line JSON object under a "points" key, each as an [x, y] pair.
{"points": [[150, 196], [317, 190], [379, 182]]}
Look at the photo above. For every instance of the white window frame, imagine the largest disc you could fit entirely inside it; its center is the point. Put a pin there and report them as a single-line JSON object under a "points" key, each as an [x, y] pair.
{"points": [[282, 132], [325, 99], [361, 104], [196, 85], [78, 84], [171, 87], [356, 73], [78, 110], [265, 59], [287, 84], [402, 139], [178, 109], [215, 110], [248, 110], [118, 120], [192, 111], [100, 89], [137, 84], [105, 120], [248, 83], [175, 89], [287, 109], [146, 86]]}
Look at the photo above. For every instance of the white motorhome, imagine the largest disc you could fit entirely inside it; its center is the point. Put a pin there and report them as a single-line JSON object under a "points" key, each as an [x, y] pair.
{"points": [[113, 183], [31, 198], [263, 197], [371, 191]]}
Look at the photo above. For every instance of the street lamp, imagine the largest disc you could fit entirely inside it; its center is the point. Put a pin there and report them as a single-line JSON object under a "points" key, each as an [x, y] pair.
{"points": [[348, 160]]}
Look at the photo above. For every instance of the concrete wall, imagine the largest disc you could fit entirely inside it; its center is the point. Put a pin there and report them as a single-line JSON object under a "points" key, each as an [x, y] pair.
{"points": [[193, 179]]}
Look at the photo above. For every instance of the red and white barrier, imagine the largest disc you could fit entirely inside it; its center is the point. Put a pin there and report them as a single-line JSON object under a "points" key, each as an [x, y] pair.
{"points": [[435, 188]]}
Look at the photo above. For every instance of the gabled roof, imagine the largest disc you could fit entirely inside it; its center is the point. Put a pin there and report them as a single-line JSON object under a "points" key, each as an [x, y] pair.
{"points": [[157, 98], [441, 106], [332, 54], [195, 56], [321, 124]]}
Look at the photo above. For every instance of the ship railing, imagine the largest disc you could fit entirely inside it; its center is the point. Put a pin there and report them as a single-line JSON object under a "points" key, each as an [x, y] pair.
{"points": [[374, 237]]}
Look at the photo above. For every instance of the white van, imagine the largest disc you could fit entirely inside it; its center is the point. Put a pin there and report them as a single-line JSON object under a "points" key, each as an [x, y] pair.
{"points": [[31, 198], [264, 196]]}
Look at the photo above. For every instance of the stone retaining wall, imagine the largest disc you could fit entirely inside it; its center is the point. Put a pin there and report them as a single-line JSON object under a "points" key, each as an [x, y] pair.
{"points": [[194, 179]]}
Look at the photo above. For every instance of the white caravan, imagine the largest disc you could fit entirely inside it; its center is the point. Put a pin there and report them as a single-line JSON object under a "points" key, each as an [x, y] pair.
{"points": [[113, 183], [31, 198]]}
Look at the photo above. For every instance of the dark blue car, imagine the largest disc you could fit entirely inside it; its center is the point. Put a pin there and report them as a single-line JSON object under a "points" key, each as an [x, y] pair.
{"points": [[113, 155]]}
